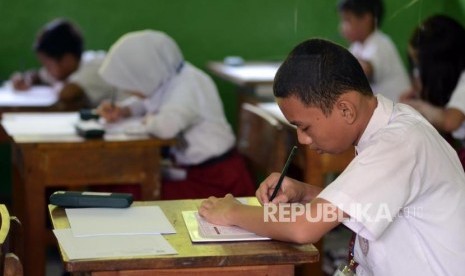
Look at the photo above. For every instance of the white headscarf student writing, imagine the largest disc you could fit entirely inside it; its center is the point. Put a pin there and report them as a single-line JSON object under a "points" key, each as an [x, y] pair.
{"points": [[178, 101]]}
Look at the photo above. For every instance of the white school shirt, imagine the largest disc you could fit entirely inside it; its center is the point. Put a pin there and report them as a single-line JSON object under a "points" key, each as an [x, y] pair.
{"points": [[189, 108], [88, 79], [91, 82], [389, 75], [457, 101], [406, 169]]}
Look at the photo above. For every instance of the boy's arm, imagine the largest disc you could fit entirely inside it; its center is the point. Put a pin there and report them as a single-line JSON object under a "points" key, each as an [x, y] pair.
{"points": [[293, 223], [445, 119], [24, 80], [367, 68], [71, 97]]}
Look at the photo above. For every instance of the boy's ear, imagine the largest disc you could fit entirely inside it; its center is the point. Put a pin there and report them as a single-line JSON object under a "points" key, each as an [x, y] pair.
{"points": [[347, 110]]}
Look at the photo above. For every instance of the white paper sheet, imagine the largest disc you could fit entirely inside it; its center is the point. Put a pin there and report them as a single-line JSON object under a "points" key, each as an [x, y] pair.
{"points": [[112, 246], [202, 231], [36, 96], [60, 126], [35, 123], [118, 221]]}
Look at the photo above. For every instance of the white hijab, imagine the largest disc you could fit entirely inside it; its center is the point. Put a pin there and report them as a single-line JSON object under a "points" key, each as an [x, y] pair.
{"points": [[142, 61]]}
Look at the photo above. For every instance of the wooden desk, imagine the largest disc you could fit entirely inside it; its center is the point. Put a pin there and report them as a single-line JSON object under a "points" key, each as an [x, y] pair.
{"points": [[235, 258], [254, 79], [37, 98], [249, 74], [65, 160]]}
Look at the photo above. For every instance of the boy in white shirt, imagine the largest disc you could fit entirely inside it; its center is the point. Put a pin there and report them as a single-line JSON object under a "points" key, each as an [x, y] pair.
{"points": [[59, 47], [360, 21], [403, 194]]}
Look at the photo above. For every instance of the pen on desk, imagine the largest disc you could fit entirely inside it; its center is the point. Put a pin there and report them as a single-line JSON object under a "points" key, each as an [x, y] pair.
{"points": [[283, 173]]}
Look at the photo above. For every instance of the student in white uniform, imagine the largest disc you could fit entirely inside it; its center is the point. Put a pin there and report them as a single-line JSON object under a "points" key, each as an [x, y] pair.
{"points": [[178, 101], [403, 194], [380, 60], [59, 47], [436, 51]]}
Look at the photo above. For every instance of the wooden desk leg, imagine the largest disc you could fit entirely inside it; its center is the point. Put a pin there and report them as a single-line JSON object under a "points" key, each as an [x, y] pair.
{"points": [[151, 186], [31, 201]]}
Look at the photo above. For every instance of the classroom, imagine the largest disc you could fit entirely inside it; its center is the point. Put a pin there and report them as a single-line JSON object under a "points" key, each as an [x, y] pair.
{"points": [[211, 42]]}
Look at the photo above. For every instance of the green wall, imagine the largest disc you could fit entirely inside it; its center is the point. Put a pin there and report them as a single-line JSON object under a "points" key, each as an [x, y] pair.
{"points": [[205, 29]]}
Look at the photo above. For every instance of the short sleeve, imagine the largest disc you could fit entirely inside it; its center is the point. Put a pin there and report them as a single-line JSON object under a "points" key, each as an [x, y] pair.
{"points": [[457, 99], [375, 186]]}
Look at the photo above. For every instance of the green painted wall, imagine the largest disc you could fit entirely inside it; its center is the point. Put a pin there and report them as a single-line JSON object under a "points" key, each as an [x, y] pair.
{"points": [[455, 8], [205, 29]]}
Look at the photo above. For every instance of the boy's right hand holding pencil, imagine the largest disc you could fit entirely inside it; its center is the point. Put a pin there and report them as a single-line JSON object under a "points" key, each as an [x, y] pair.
{"points": [[22, 81], [291, 190]]}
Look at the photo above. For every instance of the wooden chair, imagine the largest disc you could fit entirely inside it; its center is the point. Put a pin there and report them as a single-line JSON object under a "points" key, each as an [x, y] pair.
{"points": [[9, 262], [261, 140]]}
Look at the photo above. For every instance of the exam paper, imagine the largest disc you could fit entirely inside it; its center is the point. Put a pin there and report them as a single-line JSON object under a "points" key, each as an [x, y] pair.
{"points": [[118, 221], [36, 96], [202, 231], [112, 246], [43, 124]]}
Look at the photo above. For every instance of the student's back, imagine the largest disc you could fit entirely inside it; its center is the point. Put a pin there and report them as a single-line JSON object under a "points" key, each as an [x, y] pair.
{"points": [[360, 21]]}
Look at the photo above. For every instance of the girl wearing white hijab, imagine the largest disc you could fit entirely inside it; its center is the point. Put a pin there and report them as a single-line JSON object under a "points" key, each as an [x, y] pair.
{"points": [[177, 100]]}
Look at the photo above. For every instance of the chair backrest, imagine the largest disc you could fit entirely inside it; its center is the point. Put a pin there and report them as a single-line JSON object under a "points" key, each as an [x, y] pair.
{"points": [[9, 262], [261, 141]]}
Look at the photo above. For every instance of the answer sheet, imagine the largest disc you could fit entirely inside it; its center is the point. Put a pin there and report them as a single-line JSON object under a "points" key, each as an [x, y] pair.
{"points": [[118, 221], [112, 246]]}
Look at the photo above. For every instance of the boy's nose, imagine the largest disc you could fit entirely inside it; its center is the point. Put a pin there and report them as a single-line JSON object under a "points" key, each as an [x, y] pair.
{"points": [[303, 138]]}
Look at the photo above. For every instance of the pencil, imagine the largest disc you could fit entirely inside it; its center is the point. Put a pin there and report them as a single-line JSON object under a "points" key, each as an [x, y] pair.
{"points": [[283, 173]]}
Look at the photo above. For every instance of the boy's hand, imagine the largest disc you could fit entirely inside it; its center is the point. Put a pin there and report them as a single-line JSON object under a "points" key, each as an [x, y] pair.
{"points": [[291, 190], [217, 210], [21, 81]]}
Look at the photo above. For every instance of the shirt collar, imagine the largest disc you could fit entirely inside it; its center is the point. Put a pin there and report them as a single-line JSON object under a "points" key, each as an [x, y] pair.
{"points": [[380, 118]]}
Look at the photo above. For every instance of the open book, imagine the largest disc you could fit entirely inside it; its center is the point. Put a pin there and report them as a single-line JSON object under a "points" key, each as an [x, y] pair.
{"points": [[202, 231]]}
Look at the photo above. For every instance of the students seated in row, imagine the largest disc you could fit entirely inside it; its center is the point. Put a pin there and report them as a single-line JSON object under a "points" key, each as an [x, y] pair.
{"points": [[403, 194], [436, 49], [59, 47], [380, 60], [178, 101]]}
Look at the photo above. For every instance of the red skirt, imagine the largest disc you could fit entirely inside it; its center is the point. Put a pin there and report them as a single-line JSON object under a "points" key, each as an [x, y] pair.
{"points": [[219, 178], [229, 175]]}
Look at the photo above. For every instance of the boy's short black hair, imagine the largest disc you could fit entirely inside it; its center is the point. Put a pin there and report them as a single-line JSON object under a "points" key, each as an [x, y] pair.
{"points": [[317, 72], [59, 37], [361, 7]]}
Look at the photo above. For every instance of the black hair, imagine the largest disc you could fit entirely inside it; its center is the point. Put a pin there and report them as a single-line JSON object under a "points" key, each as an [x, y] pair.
{"points": [[440, 45], [361, 7], [59, 37], [317, 72]]}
